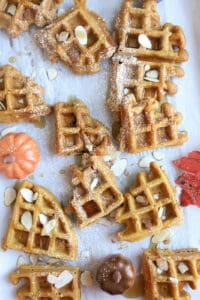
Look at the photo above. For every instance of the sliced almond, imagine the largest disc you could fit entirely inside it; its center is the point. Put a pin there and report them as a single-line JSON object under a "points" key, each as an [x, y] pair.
{"points": [[119, 167], [35, 196], [27, 194], [104, 222], [63, 279], [161, 236], [147, 68], [126, 91], [162, 213], [151, 79], [11, 9], [86, 278], [2, 106], [156, 197], [153, 74], [10, 195], [159, 271], [52, 73], [20, 261], [162, 264], [48, 227], [158, 155], [27, 220], [62, 36], [142, 200], [145, 162], [33, 259], [183, 268], [173, 280], [20, 101], [8, 130], [144, 41], [81, 35], [94, 183], [43, 219]]}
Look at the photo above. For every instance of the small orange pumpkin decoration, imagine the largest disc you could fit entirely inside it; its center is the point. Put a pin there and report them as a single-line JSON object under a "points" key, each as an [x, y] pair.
{"points": [[19, 155]]}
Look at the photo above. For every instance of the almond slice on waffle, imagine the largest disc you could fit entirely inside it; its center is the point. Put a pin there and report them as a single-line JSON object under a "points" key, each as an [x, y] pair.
{"points": [[78, 132], [79, 38], [39, 226], [149, 206], [146, 125], [47, 282], [95, 193], [140, 33], [167, 272], [16, 16], [21, 99]]}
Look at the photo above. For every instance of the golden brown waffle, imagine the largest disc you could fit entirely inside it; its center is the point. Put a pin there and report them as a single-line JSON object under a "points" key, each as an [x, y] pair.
{"points": [[78, 132], [17, 15], [36, 285], [140, 213], [168, 41], [82, 58], [95, 193], [21, 99], [129, 75], [144, 126], [181, 267], [61, 242]]}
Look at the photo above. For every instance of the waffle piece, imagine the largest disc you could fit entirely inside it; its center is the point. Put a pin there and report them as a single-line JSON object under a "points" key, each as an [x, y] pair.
{"points": [[144, 126], [78, 132], [149, 206], [81, 56], [37, 286], [129, 75], [178, 268], [60, 242], [167, 41], [17, 15], [95, 193], [21, 99]]}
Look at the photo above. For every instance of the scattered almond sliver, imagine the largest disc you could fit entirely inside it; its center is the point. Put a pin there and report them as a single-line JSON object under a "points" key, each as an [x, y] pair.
{"points": [[94, 183], [33, 259], [119, 167], [43, 219], [27, 194], [144, 41], [62, 36], [86, 278], [12, 9], [52, 73], [161, 236], [48, 227], [60, 281], [173, 280], [183, 268], [9, 196], [145, 162], [81, 35], [158, 155], [27, 220], [20, 261]]}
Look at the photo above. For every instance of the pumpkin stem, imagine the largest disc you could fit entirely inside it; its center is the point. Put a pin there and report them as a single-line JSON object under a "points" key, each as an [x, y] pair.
{"points": [[8, 159]]}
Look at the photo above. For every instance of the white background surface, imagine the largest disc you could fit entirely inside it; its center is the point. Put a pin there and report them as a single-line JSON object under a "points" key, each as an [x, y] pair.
{"points": [[93, 91]]}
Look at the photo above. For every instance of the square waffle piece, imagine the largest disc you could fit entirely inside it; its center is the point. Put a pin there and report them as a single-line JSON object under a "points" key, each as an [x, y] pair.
{"points": [[140, 33], [38, 283], [95, 193], [166, 273], [144, 79], [78, 132], [17, 15], [79, 38], [149, 206], [146, 126], [39, 226], [21, 99]]}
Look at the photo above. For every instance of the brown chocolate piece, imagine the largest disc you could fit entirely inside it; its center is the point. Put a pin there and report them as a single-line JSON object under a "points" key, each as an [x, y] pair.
{"points": [[116, 274]]}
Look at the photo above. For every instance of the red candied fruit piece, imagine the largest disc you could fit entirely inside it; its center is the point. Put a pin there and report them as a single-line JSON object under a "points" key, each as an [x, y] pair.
{"points": [[190, 164]]}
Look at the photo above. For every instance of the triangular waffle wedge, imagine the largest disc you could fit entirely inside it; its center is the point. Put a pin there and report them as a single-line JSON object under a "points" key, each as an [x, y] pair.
{"points": [[82, 54], [95, 193], [166, 273], [17, 15], [78, 132], [37, 286], [167, 42], [21, 99], [149, 206], [144, 126], [60, 242], [129, 75]]}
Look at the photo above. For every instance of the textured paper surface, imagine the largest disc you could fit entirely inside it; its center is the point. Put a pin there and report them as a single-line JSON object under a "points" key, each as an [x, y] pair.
{"points": [[93, 90]]}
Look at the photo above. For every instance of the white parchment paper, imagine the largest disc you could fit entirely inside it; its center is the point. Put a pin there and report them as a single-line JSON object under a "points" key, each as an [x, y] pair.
{"points": [[93, 91]]}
